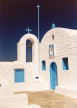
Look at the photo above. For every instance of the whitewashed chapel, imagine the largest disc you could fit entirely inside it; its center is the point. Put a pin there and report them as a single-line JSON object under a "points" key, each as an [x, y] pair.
{"points": [[52, 64]]}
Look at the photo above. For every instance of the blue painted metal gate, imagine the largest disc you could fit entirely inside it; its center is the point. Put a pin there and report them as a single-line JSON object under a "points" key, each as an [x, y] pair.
{"points": [[53, 76]]}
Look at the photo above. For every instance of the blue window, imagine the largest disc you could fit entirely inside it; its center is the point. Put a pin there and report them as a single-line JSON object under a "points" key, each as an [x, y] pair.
{"points": [[43, 65], [65, 63], [19, 75]]}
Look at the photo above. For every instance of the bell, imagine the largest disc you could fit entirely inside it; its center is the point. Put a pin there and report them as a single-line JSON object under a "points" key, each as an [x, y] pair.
{"points": [[29, 45]]}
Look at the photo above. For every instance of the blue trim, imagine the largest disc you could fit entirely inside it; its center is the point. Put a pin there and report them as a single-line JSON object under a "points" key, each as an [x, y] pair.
{"points": [[53, 26], [19, 75]]}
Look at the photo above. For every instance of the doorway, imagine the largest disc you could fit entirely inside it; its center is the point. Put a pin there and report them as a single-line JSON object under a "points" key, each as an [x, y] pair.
{"points": [[53, 76]]}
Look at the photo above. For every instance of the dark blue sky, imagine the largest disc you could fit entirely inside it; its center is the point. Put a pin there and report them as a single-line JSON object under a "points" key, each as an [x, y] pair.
{"points": [[17, 15]]}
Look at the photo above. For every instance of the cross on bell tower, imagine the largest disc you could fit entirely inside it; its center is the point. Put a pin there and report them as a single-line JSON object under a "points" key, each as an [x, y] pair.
{"points": [[28, 30]]}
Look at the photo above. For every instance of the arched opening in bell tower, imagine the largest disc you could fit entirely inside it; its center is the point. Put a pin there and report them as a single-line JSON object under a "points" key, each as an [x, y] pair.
{"points": [[30, 50]]}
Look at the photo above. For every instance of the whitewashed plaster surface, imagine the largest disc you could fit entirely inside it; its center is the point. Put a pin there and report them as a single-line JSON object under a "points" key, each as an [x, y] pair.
{"points": [[65, 42]]}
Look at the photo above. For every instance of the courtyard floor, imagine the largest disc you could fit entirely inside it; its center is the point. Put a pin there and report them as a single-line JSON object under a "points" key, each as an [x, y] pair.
{"points": [[49, 99]]}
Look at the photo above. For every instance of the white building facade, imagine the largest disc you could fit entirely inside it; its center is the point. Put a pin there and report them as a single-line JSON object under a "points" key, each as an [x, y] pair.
{"points": [[53, 65]]}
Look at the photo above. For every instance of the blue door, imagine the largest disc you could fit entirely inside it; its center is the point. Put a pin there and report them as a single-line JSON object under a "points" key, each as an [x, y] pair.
{"points": [[53, 75]]}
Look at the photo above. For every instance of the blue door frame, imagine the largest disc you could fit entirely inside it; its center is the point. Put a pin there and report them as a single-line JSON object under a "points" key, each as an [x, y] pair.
{"points": [[53, 76]]}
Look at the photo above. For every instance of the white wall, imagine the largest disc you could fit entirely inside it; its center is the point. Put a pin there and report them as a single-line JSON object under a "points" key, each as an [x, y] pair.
{"points": [[65, 41]]}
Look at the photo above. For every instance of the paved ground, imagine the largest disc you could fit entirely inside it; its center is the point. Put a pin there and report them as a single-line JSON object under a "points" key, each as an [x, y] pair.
{"points": [[49, 99]]}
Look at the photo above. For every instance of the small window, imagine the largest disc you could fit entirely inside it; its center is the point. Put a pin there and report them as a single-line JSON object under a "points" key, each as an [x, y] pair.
{"points": [[65, 63], [19, 75], [51, 50], [37, 77], [43, 65], [52, 37]]}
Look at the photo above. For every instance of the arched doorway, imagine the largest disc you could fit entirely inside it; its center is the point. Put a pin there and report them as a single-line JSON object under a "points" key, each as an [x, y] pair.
{"points": [[28, 51], [53, 76]]}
